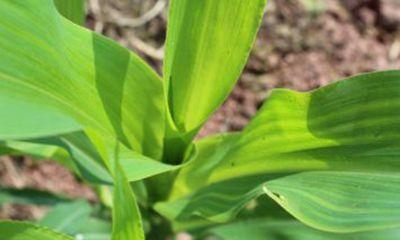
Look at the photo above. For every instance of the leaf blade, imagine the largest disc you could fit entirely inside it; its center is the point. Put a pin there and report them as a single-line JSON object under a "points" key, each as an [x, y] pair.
{"points": [[127, 223], [22, 231], [85, 76], [29, 196], [270, 229], [68, 217], [73, 10], [338, 201], [29, 120], [349, 126], [206, 40]]}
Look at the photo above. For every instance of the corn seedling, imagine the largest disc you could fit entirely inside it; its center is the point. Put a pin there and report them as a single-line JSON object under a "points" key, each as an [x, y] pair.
{"points": [[316, 165]]}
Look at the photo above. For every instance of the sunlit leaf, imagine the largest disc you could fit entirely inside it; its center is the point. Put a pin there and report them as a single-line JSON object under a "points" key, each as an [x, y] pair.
{"points": [[67, 217], [21, 120], [208, 43], [30, 196], [269, 229], [340, 201], [26, 231], [73, 10], [87, 77], [95, 229], [351, 125], [347, 127], [127, 222]]}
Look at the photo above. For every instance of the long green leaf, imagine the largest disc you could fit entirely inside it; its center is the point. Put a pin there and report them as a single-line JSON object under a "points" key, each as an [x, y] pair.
{"points": [[208, 153], [29, 196], [73, 10], [98, 83], [219, 202], [73, 150], [127, 222], [76, 148], [269, 229], [95, 229], [208, 43], [68, 217], [349, 126], [86, 158], [26, 120], [26, 231], [340, 201]]}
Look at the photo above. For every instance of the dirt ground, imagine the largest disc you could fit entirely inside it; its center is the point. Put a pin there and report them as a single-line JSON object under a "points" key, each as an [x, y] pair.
{"points": [[297, 48]]}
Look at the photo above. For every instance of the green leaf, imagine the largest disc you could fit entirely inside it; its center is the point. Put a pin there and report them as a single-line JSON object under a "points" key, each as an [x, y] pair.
{"points": [[26, 120], [340, 201], [85, 156], [73, 150], [29, 196], [208, 43], [219, 202], [86, 161], [26, 231], [207, 154], [35, 150], [101, 85], [68, 217], [269, 229], [349, 126], [6, 150], [95, 229], [73, 10], [89, 161], [138, 167], [127, 222]]}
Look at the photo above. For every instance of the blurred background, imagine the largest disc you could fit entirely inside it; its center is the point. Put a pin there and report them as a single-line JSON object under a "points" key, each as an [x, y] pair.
{"points": [[302, 45]]}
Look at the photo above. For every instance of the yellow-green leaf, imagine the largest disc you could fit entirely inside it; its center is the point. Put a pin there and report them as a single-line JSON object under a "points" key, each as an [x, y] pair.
{"points": [[208, 43], [52, 63], [270, 229], [340, 201], [347, 128], [26, 231], [73, 10]]}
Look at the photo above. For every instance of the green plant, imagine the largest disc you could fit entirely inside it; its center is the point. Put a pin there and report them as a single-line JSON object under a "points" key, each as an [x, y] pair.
{"points": [[330, 157]]}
